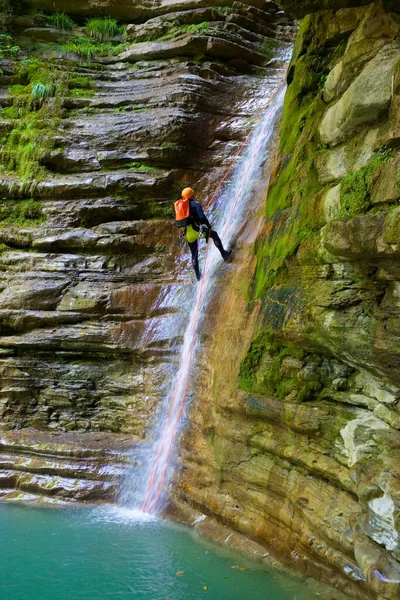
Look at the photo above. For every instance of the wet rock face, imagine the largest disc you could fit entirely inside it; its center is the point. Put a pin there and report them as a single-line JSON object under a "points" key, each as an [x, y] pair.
{"points": [[99, 135], [301, 8], [302, 453]]}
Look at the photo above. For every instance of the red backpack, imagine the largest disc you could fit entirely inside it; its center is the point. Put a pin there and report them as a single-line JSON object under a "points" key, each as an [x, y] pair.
{"points": [[182, 212]]}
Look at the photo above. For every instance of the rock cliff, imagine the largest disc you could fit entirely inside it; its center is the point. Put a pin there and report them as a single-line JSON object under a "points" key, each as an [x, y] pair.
{"points": [[294, 440], [296, 443], [102, 123]]}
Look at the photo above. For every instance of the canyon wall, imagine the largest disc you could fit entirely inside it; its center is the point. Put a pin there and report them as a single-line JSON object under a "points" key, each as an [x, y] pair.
{"points": [[295, 443], [102, 124]]}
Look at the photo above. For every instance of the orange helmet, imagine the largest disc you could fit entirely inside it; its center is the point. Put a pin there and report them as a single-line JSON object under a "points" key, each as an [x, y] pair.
{"points": [[187, 193]]}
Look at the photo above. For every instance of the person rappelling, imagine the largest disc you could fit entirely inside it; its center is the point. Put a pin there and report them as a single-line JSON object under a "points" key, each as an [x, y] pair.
{"points": [[194, 224]]}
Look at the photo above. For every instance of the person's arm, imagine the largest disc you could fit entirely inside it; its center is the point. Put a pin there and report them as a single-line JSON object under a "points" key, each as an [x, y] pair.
{"points": [[201, 216]]}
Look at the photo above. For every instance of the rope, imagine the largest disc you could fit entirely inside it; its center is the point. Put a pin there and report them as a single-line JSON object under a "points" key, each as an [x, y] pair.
{"points": [[148, 504]]}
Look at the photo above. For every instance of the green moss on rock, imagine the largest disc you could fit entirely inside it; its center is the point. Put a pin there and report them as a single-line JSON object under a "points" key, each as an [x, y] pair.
{"points": [[356, 188], [263, 372], [23, 213]]}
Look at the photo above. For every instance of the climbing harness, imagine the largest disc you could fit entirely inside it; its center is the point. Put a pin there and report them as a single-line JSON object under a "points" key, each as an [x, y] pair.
{"points": [[155, 488], [191, 235]]}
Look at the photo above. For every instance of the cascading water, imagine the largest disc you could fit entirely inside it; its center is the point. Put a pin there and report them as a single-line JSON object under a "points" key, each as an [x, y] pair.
{"points": [[145, 488]]}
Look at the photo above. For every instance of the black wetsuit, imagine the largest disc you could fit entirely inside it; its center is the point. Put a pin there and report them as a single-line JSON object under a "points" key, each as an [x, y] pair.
{"points": [[199, 218]]}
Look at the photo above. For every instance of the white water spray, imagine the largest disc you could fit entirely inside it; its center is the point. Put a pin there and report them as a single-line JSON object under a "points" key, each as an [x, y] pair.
{"points": [[146, 486]]}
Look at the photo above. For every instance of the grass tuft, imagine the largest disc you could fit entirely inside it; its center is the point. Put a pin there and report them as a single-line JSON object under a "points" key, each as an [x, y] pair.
{"points": [[40, 91], [90, 48], [61, 20], [102, 29]]}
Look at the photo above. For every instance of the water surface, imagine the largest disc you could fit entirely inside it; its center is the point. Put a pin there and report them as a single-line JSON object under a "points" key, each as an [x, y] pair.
{"points": [[106, 553]]}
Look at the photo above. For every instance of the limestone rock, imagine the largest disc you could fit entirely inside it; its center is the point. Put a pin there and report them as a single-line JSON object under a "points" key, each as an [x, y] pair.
{"points": [[373, 31], [367, 98]]}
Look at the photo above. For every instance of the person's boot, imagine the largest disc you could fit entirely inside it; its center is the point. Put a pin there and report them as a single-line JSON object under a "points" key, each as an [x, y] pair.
{"points": [[226, 254], [196, 270]]}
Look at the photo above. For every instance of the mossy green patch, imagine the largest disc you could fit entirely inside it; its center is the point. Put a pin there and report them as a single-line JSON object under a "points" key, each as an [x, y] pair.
{"points": [[23, 213], [81, 93], [36, 118], [262, 372], [80, 82], [18, 90], [293, 208], [137, 166], [356, 188], [176, 29], [11, 112], [268, 47], [251, 362]]}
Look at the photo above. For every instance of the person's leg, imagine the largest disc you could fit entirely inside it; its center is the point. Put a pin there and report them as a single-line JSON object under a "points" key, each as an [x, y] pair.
{"points": [[194, 249], [217, 241]]}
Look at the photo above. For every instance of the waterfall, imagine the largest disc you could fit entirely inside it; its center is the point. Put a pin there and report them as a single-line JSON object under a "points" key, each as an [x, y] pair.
{"points": [[145, 487]]}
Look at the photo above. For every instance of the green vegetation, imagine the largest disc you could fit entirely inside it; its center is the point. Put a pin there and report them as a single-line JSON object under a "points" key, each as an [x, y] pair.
{"points": [[61, 20], [80, 82], [293, 209], [88, 49], [137, 166], [262, 371], [11, 112], [177, 29], [40, 91], [80, 87], [8, 49], [224, 11], [24, 213], [37, 119], [251, 362], [103, 29], [268, 47], [50, 75], [81, 93], [356, 188]]}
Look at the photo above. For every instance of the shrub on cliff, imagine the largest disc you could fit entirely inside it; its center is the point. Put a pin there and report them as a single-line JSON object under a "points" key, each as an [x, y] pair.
{"points": [[102, 29], [61, 20]]}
